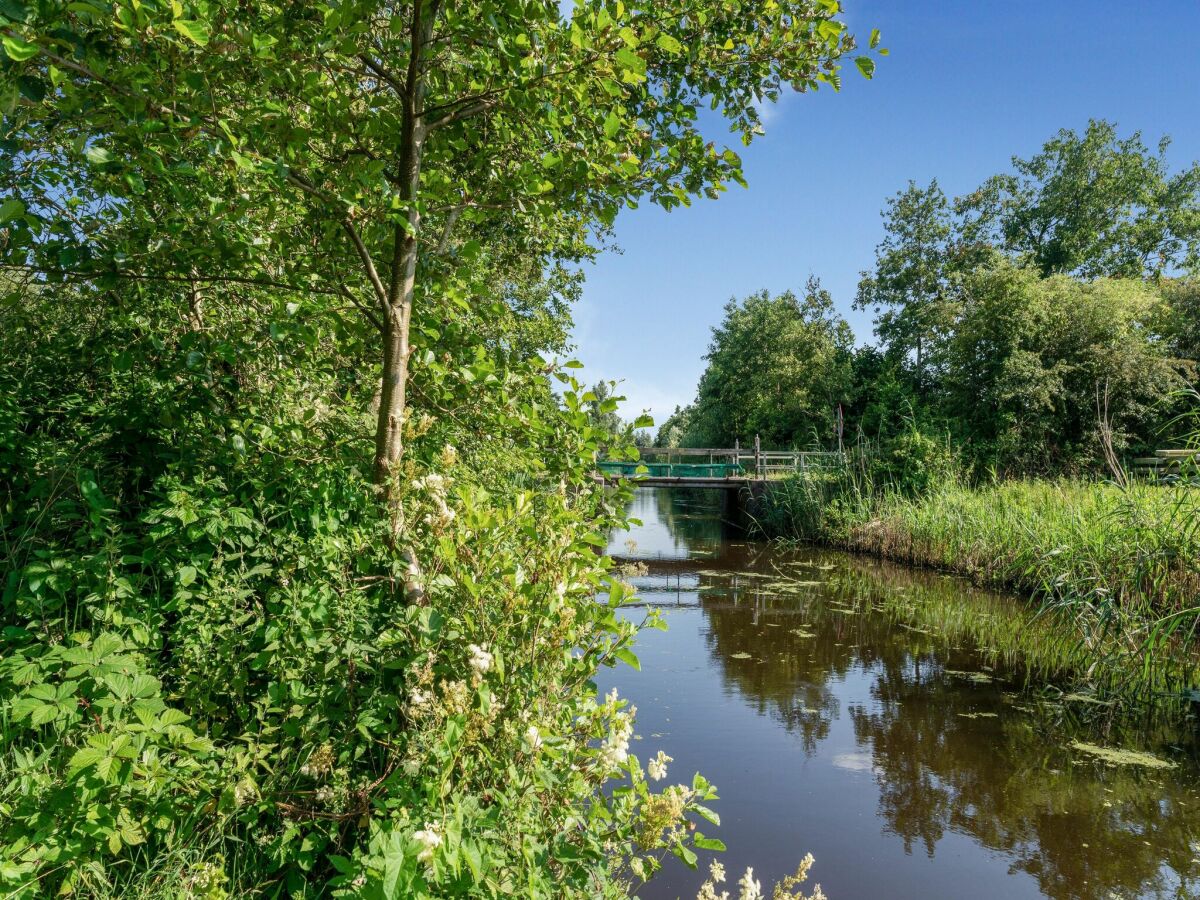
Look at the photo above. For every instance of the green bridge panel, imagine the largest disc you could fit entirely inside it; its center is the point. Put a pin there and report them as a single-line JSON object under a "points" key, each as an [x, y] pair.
{"points": [[673, 470]]}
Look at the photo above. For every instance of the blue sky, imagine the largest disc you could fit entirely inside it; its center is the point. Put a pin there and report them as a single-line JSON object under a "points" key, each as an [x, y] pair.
{"points": [[968, 84]]}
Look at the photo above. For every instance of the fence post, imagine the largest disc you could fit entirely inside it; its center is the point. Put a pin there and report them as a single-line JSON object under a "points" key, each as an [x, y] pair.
{"points": [[757, 458]]}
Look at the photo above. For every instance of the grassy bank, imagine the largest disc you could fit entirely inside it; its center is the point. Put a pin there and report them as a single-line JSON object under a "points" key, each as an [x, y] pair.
{"points": [[1119, 566]]}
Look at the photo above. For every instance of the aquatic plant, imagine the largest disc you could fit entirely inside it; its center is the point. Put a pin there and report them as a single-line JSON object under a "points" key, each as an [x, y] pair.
{"points": [[1117, 566]]}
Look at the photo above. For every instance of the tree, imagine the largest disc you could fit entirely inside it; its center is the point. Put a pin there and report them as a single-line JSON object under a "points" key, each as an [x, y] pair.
{"points": [[378, 155], [1180, 325], [777, 367], [1030, 356], [673, 432], [911, 281], [1092, 205]]}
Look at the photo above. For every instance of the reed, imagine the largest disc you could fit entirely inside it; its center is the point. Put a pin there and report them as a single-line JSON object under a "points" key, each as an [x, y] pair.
{"points": [[1118, 563]]}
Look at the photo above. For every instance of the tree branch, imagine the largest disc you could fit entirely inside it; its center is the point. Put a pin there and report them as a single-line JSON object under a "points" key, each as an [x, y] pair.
{"points": [[85, 275], [364, 254]]}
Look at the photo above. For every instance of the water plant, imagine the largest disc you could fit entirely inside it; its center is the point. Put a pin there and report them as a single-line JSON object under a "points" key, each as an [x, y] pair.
{"points": [[1116, 566]]}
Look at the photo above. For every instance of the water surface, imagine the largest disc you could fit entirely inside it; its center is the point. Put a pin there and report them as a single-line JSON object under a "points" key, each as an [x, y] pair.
{"points": [[909, 764]]}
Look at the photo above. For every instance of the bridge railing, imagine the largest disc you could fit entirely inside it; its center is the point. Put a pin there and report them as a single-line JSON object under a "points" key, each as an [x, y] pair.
{"points": [[722, 462]]}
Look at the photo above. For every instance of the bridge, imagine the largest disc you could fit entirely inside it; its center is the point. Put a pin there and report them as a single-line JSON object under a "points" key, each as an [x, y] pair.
{"points": [[708, 467]]}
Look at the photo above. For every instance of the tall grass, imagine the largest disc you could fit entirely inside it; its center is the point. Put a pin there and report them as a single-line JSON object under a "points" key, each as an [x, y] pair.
{"points": [[1121, 564]]}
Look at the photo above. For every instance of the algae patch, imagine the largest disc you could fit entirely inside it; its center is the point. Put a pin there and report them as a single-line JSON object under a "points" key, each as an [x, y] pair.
{"points": [[1122, 757]]}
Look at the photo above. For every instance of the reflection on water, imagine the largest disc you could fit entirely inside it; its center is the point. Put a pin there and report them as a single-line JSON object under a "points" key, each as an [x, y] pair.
{"points": [[909, 767]]}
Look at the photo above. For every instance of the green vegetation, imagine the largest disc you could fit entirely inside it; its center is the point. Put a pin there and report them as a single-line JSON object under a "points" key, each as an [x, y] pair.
{"points": [[778, 367], [1027, 324], [296, 508], [1117, 569], [1042, 326]]}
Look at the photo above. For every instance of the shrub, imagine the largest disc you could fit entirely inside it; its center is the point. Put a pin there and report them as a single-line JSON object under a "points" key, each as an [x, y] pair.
{"points": [[221, 675]]}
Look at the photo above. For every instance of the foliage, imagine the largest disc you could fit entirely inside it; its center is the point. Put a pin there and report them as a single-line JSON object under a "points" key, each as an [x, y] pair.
{"points": [[213, 685], [675, 428], [381, 156], [914, 462], [1114, 564], [1033, 363], [601, 405], [777, 367], [248, 649], [1093, 205], [1033, 315], [1180, 323], [912, 278]]}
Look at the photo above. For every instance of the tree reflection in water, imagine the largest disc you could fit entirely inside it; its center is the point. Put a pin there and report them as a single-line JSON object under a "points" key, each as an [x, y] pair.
{"points": [[957, 741]]}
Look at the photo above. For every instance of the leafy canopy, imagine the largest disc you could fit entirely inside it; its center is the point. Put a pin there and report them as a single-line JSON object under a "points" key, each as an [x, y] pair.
{"points": [[1092, 204]]}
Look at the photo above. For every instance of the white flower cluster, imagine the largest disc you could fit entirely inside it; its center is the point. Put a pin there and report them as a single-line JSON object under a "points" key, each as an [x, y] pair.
{"points": [[615, 748], [481, 660], [533, 738], [430, 839], [435, 485], [319, 764], [749, 888], [244, 792], [657, 767], [417, 700]]}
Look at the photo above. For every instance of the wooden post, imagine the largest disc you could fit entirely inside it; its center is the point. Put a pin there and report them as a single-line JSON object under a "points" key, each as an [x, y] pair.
{"points": [[757, 457], [737, 455]]}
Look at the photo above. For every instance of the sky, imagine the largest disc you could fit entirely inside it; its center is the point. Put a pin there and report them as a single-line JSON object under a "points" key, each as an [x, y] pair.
{"points": [[967, 85]]}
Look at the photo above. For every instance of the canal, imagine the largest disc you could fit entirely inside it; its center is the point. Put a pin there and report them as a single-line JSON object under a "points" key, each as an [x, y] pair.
{"points": [[909, 762]]}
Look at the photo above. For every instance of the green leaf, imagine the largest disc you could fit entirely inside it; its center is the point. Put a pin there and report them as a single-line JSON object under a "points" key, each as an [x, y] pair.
{"points": [[17, 49], [196, 32], [707, 813], [630, 61], [97, 155], [866, 65], [84, 758], [668, 44], [43, 714], [874, 41], [686, 854], [829, 29], [187, 575], [11, 209], [706, 843], [13, 10], [629, 658]]}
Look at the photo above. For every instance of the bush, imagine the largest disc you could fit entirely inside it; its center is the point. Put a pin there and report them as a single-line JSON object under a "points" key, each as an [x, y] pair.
{"points": [[914, 462], [223, 676]]}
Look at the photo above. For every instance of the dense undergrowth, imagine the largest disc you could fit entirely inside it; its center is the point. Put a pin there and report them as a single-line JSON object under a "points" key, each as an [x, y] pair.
{"points": [[215, 680], [1116, 569]]}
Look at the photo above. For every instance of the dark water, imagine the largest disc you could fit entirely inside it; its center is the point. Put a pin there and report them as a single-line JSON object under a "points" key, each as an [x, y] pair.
{"points": [[907, 766]]}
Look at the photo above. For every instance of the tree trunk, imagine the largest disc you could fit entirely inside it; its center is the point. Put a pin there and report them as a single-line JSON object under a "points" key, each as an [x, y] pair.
{"points": [[389, 430], [389, 427]]}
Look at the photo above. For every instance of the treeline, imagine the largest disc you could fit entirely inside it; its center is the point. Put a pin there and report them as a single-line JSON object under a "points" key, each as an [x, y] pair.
{"points": [[1014, 326]]}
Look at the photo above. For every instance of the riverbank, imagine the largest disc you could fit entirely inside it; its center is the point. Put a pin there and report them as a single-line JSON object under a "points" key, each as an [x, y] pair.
{"points": [[800, 679], [1120, 566]]}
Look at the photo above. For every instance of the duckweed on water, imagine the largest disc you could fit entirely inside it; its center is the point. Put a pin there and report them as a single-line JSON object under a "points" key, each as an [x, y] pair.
{"points": [[1117, 757]]}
